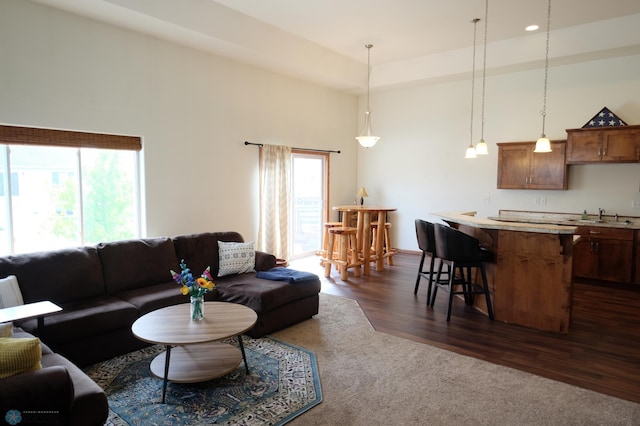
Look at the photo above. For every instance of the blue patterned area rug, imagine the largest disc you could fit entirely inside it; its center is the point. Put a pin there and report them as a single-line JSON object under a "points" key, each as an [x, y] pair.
{"points": [[282, 383]]}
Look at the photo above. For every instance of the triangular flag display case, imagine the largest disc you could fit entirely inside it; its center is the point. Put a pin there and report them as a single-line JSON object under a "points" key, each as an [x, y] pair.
{"points": [[604, 118]]}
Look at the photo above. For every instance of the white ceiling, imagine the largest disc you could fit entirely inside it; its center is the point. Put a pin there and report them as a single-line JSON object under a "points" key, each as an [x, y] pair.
{"points": [[414, 40]]}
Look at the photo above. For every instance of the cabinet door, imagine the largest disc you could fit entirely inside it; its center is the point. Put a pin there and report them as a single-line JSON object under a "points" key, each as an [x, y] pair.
{"points": [[585, 259], [513, 166], [621, 145], [549, 170], [615, 259], [584, 147], [520, 168]]}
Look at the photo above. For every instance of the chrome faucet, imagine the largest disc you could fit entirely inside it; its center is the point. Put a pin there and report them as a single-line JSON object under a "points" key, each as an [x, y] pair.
{"points": [[600, 211]]}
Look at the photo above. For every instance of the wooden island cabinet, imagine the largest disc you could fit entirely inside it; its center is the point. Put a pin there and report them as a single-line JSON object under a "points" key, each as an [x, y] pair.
{"points": [[529, 277], [520, 168]]}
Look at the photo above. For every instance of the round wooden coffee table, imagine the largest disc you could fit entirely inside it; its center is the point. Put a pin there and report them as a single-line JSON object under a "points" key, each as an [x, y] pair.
{"points": [[192, 351]]}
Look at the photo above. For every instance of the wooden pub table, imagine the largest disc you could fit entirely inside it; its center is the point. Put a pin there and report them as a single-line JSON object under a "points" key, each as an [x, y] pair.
{"points": [[193, 353], [364, 232]]}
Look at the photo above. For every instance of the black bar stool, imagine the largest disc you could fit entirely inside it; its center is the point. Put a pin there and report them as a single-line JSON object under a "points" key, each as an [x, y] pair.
{"points": [[427, 244], [459, 250]]}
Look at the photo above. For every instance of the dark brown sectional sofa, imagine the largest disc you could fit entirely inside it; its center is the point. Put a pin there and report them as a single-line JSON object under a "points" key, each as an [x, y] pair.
{"points": [[103, 289]]}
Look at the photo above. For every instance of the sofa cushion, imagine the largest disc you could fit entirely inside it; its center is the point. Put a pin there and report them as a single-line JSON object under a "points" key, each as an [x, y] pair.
{"points": [[44, 396], [134, 264], [262, 295], [10, 294], [90, 406], [201, 250], [59, 276], [19, 355], [236, 258], [154, 297], [85, 318]]}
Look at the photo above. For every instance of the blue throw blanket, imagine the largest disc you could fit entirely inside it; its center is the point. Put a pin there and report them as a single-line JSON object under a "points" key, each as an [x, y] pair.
{"points": [[286, 274]]}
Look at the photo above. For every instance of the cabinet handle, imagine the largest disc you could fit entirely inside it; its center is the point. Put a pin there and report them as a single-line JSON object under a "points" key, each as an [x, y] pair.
{"points": [[594, 232], [597, 247]]}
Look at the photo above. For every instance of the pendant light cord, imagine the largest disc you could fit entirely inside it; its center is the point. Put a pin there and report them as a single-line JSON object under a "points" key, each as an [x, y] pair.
{"points": [[484, 67], [546, 69], [368, 46], [473, 79]]}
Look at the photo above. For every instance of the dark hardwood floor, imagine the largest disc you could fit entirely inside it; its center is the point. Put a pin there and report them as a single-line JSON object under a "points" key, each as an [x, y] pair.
{"points": [[600, 353]]}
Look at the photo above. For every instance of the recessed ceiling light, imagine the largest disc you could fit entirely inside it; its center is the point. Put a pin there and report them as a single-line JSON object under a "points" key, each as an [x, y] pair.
{"points": [[532, 27]]}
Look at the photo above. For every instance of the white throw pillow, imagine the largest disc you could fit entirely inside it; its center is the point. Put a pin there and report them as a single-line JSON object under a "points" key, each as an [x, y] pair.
{"points": [[10, 294], [236, 258]]}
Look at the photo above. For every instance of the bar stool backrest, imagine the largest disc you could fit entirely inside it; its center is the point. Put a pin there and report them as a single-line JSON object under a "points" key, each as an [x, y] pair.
{"points": [[425, 235], [455, 245]]}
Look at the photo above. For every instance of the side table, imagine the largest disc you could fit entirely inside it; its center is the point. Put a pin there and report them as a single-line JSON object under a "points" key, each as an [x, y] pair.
{"points": [[29, 310]]}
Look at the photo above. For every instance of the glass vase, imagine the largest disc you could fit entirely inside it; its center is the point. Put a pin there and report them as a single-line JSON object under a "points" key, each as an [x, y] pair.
{"points": [[197, 308]]}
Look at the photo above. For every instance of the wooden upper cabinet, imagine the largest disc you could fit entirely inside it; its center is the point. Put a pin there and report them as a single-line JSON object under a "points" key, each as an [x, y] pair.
{"points": [[520, 168], [603, 145]]}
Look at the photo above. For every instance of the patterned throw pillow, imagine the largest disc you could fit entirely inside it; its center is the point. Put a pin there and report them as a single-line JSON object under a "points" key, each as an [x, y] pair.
{"points": [[10, 294], [19, 355], [236, 258]]}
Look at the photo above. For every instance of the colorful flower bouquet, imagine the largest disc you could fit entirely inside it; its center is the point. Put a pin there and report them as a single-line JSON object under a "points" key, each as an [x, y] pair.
{"points": [[196, 288]]}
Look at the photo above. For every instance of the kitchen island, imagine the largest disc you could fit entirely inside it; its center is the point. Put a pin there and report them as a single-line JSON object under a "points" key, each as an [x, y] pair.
{"points": [[530, 274]]}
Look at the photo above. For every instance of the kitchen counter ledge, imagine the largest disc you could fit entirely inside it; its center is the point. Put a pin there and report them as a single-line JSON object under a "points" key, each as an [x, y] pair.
{"points": [[470, 219], [566, 219]]}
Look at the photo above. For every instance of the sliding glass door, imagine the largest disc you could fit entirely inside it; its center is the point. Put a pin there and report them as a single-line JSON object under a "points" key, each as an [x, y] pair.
{"points": [[309, 203]]}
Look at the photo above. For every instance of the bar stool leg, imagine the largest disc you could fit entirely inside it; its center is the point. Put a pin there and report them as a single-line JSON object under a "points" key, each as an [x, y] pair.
{"points": [[387, 243], [329, 256], [451, 284], [344, 259], [485, 282], [354, 261]]}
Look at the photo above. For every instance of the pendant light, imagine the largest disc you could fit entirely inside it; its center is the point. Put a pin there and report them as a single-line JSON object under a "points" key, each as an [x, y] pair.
{"points": [[471, 151], [481, 147], [543, 144], [366, 139]]}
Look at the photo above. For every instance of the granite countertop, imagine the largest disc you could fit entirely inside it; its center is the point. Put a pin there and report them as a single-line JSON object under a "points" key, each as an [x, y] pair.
{"points": [[567, 219], [469, 218]]}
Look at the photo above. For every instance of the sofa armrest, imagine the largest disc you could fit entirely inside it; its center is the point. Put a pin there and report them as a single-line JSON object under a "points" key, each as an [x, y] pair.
{"points": [[264, 261], [46, 394]]}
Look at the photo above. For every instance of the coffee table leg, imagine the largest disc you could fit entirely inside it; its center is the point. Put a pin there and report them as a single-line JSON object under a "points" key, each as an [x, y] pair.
{"points": [[244, 357], [167, 357]]}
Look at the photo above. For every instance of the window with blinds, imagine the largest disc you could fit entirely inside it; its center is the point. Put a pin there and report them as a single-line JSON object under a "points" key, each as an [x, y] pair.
{"points": [[63, 188]]}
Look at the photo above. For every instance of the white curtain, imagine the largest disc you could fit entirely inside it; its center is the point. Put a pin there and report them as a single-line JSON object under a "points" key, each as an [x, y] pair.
{"points": [[275, 200]]}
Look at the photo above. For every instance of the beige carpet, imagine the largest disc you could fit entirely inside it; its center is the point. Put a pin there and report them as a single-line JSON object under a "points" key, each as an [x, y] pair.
{"points": [[371, 378]]}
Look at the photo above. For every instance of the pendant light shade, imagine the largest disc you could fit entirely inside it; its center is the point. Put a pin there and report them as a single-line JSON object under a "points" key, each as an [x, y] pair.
{"points": [[543, 144], [481, 148], [366, 139], [471, 151]]}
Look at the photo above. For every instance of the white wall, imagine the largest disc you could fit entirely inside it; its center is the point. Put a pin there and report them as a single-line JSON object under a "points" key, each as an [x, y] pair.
{"points": [[194, 111], [418, 165]]}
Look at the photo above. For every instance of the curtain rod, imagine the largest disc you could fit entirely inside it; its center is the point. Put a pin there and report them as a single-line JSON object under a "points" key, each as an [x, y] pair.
{"points": [[302, 149]]}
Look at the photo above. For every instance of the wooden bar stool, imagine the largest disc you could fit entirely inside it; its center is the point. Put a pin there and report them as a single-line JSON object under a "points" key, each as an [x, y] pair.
{"points": [[325, 240], [347, 256], [388, 252]]}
